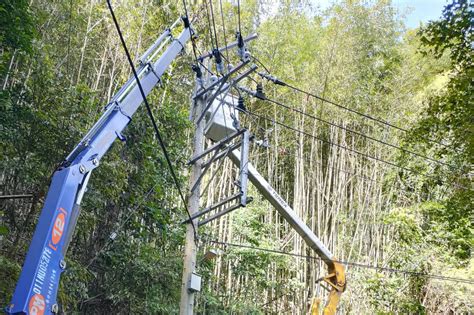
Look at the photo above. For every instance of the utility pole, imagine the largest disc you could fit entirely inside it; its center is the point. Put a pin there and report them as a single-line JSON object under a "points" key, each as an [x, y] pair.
{"points": [[206, 94], [187, 284]]}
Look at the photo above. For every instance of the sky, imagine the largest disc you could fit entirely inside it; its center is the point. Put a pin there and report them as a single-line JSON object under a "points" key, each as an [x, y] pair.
{"points": [[415, 11], [421, 10]]}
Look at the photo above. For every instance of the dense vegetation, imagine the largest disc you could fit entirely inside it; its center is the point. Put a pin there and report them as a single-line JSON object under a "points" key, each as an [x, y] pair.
{"points": [[60, 63]]}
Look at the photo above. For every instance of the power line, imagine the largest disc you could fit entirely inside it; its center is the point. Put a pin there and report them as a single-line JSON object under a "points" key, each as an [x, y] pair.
{"points": [[348, 149], [150, 114], [347, 263], [329, 142], [261, 63], [238, 16], [213, 23], [223, 29], [209, 24], [378, 120], [193, 44], [338, 169], [354, 131]]}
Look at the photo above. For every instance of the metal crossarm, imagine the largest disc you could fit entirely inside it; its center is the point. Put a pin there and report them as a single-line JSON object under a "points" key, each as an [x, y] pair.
{"points": [[213, 207], [221, 81], [223, 212], [216, 146], [230, 46]]}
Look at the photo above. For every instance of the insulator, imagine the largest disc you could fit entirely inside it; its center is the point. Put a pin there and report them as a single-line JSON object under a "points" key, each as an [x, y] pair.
{"points": [[217, 55], [240, 40], [197, 70], [213, 79], [259, 92], [241, 104]]}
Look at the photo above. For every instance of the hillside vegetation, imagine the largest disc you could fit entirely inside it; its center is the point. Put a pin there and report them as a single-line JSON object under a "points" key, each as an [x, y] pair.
{"points": [[61, 62]]}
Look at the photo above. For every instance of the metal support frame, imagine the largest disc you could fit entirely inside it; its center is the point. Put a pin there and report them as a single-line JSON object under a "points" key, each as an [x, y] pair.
{"points": [[231, 45], [216, 146], [221, 213], [221, 81], [224, 153], [212, 207], [243, 181], [203, 172]]}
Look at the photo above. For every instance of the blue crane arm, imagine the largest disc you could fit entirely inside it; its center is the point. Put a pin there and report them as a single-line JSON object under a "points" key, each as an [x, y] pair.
{"points": [[36, 290]]}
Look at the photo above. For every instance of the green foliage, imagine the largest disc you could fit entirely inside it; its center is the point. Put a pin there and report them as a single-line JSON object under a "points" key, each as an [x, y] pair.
{"points": [[452, 33], [16, 25], [448, 119], [60, 64], [8, 273]]}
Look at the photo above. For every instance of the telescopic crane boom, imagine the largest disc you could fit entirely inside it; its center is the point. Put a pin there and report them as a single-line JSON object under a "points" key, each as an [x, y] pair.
{"points": [[36, 290]]}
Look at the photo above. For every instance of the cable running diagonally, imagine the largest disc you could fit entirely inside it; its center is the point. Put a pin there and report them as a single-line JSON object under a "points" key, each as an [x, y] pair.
{"points": [[367, 116], [349, 149], [152, 118], [355, 132], [213, 23], [223, 29], [347, 263], [329, 142], [190, 32], [209, 26]]}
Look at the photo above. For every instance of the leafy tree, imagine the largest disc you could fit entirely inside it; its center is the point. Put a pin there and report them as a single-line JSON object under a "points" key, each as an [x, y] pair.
{"points": [[448, 120]]}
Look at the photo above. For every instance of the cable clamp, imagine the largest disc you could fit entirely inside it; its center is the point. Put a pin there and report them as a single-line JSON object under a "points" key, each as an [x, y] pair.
{"points": [[217, 55], [119, 108], [150, 67]]}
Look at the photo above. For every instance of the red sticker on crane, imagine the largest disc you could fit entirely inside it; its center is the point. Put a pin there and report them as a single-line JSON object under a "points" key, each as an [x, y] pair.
{"points": [[58, 228], [37, 305]]}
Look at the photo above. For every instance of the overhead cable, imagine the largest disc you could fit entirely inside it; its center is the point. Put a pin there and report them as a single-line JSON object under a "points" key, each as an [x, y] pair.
{"points": [[367, 116], [213, 24], [354, 132], [238, 16], [190, 32], [329, 142], [347, 263], [152, 118]]}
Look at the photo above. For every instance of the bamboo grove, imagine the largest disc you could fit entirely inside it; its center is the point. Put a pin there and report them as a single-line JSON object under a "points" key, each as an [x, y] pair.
{"points": [[61, 61]]}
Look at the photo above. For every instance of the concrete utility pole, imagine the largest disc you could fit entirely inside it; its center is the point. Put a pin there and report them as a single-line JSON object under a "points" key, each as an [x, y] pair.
{"points": [[187, 284]]}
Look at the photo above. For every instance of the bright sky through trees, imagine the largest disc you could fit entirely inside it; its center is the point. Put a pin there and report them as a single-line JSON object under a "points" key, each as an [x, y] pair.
{"points": [[414, 11]]}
